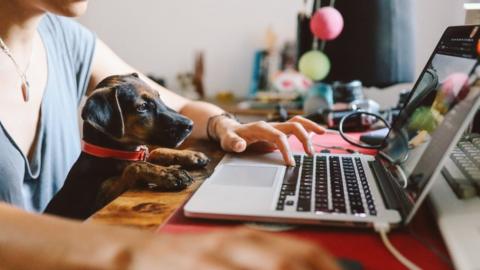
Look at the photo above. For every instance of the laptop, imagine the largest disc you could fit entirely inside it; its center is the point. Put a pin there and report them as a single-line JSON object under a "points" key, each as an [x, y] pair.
{"points": [[355, 189]]}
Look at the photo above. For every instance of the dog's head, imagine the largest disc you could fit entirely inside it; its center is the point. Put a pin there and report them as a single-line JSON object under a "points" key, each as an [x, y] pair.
{"points": [[129, 111]]}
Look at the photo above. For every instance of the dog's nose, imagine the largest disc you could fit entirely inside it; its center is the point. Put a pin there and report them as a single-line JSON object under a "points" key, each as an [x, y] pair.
{"points": [[186, 124]]}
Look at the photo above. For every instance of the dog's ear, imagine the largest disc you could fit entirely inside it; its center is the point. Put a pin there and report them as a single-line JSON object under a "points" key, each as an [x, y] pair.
{"points": [[103, 111]]}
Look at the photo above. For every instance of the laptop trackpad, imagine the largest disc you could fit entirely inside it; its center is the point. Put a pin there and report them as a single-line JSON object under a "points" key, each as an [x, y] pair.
{"points": [[240, 175]]}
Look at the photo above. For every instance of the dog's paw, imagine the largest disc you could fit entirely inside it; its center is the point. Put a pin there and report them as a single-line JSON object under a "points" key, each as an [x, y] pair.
{"points": [[170, 179], [185, 158], [194, 159]]}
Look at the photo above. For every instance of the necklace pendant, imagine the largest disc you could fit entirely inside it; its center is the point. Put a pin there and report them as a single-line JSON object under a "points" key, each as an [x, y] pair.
{"points": [[25, 91]]}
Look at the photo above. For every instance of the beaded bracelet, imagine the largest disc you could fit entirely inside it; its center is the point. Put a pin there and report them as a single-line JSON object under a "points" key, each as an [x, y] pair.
{"points": [[211, 126]]}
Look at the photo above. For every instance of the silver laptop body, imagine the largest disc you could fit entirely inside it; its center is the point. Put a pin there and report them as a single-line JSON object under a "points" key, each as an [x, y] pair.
{"points": [[250, 188], [353, 189]]}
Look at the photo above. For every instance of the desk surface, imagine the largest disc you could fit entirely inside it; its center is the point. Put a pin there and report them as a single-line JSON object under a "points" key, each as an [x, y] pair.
{"points": [[148, 210]]}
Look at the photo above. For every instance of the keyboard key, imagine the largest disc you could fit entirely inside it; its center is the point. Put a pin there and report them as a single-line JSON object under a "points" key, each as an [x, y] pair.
{"points": [[303, 205], [291, 175], [366, 190], [289, 185]]}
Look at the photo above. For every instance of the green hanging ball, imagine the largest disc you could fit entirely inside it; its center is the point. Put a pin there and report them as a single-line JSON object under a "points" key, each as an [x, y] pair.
{"points": [[315, 65]]}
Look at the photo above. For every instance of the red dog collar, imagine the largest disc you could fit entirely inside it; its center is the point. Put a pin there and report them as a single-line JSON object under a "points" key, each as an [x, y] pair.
{"points": [[141, 154]]}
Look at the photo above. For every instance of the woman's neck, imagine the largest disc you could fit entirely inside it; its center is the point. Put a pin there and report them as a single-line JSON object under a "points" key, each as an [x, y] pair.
{"points": [[18, 27]]}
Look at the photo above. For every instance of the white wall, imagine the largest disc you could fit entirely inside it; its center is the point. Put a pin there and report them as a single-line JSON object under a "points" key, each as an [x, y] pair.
{"points": [[162, 36]]}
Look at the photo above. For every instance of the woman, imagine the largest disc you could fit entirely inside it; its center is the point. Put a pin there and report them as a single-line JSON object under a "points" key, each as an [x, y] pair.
{"points": [[47, 63]]}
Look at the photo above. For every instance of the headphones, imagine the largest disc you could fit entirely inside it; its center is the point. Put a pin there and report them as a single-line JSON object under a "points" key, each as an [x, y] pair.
{"points": [[353, 141]]}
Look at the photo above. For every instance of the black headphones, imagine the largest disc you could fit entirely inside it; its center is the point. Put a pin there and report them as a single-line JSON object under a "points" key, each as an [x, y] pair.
{"points": [[356, 142]]}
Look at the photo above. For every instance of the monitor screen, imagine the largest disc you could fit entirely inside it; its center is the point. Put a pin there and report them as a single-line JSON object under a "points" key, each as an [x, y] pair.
{"points": [[443, 84]]}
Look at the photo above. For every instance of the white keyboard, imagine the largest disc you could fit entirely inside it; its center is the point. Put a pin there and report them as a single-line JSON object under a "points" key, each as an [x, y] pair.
{"points": [[459, 223]]}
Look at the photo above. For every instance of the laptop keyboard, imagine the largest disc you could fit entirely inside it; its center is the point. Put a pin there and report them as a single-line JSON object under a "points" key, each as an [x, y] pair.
{"points": [[462, 171], [307, 187]]}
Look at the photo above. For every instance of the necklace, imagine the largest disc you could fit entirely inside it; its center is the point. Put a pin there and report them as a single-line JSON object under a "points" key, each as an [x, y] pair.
{"points": [[22, 74]]}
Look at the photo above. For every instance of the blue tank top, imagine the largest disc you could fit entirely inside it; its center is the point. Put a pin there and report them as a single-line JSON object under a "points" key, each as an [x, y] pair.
{"points": [[31, 184]]}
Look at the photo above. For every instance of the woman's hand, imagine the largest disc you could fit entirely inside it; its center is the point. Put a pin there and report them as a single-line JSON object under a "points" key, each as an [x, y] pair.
{"points": [[232, 249], [236, 137]]}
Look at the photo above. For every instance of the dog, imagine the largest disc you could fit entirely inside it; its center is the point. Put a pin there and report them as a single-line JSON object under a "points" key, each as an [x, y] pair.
{"points": [[121, 116]]}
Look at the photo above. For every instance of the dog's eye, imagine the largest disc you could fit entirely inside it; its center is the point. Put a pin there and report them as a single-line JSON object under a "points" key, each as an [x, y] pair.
{"points": [[142, 107]]}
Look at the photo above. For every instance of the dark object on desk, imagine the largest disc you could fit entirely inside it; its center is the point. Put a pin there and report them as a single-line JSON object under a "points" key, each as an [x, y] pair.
{"points": [[358, 122], [347, 92], [376, 45], [332, 118], [114, 156], [375, 137]]}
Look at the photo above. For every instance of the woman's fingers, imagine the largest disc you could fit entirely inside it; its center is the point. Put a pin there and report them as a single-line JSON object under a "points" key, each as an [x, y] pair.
{"points": [[239, 140], [236, 138], [309, 125], [261, 131], [300, 132], [281, 141], [231, 141], [300, 127]]}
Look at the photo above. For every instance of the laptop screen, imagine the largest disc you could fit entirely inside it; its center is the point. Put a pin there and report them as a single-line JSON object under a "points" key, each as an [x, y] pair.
{"points": [[416, 142]]}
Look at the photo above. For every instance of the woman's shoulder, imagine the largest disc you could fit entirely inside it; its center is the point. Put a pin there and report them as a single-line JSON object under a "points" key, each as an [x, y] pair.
{"points": [[70, 47], [60, 25]]}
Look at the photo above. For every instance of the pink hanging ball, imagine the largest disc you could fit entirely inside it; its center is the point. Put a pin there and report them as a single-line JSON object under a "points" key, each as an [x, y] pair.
{"points": [[326, 23]]}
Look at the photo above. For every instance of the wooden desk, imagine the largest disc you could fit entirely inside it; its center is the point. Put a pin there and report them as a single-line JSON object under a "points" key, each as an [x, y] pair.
{"points": [[146, 209]]}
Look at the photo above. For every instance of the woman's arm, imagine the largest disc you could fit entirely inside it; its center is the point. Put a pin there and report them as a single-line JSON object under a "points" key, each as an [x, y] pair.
{"points": [[231, 135], [33, 241], [29, 241]]}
